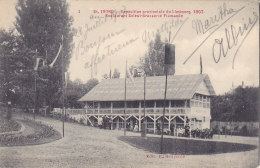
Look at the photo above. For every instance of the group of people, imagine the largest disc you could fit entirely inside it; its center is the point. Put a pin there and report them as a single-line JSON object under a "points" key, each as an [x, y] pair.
{"points": [[104, 122], [107, 122], [186, 132]]}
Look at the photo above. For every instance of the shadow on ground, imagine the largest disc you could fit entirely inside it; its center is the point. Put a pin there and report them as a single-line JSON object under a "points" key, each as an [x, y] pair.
{"points": [[185, 146]]}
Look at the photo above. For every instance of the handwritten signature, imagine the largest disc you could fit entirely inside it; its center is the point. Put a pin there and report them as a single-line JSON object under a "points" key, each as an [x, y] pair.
{"points": [[111, 49], [212, 22], [84, 48], [220, 48], [166, 26]]}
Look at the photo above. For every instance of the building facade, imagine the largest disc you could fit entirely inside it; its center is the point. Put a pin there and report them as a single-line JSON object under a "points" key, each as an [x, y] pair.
{"points": [[187, 102]]}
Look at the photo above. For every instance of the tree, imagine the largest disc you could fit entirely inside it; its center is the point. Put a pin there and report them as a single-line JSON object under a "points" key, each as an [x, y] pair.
{"points": [[15, 69], [116, 73], [238, 105], [76, 90], [105, 76], [91, 83], [153, 61], [42, 25], [135, 71]]}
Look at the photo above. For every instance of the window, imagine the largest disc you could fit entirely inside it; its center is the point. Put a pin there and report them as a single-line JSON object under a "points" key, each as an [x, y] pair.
{"points": [[118, 104], [95, 104], [208, 105], [133, 104], [196, 104], [192, 103], [105, 104], [188, 103], [148, 104], [197, 97]]}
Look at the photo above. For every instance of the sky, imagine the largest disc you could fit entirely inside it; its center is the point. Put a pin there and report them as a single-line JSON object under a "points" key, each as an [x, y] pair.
{"points": [[223, 33]]}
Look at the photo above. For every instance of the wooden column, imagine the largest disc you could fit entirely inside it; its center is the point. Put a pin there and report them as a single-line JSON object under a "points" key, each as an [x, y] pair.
{"points": [[154, 124], [111, 108], [117, 123], [139, 123], [154, 107], [170, 103], [169, 126], [86, 109], [139, 107], [185, 110], [98, 107]]}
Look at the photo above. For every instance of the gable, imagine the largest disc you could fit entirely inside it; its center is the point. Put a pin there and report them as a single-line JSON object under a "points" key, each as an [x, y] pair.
{"points": [[202, 89]]}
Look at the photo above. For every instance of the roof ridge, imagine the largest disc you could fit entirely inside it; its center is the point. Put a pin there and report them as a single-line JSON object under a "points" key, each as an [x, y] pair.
{"points": [[180, 87]]}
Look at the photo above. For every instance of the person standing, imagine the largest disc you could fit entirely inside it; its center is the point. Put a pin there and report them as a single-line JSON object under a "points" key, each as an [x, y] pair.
{"points": [[110, 122], [172, 127], [100, 122], [158, 127], [187, 128]]}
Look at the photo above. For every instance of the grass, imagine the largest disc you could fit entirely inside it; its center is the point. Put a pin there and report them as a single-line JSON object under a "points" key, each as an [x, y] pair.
{"points": [[8, 125], [39, 134], [185, 146]]}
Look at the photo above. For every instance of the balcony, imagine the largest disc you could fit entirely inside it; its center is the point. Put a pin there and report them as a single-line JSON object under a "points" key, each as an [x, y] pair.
{"points": [[173, 110]]}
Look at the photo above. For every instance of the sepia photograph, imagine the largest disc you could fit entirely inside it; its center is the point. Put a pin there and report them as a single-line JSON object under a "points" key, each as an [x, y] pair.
{"points": [[129, 84]]}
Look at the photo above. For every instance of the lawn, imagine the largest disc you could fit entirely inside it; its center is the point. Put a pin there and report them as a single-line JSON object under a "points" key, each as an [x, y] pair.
{"points": [[8, 125], [185, 146], [34, 133]]}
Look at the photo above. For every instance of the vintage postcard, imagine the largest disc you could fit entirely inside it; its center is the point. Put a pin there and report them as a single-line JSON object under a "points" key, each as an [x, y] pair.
{"points": [[122, 83]]}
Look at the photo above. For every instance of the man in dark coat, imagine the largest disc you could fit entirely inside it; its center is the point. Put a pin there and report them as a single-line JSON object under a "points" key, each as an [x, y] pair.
{"points": [[172, 126]]}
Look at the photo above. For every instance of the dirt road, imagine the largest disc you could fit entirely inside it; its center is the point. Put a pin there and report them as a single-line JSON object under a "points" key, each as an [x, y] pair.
{"points": [[91, 147]]}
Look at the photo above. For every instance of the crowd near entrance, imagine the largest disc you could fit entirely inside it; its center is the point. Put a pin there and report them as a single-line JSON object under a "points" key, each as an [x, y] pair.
{"points": [[177, 127]]}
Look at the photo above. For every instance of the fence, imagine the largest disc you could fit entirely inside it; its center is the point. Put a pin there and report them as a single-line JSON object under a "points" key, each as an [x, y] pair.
{"points": [[235, 128]]}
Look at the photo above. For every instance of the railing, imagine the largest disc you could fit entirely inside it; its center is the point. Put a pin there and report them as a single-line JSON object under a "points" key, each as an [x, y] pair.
{"points": [[159, 110], [173, 110], [75, 111]]}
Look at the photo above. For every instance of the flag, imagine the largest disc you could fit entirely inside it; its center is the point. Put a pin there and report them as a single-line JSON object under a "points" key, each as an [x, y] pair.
{"points": [[66, 79], [129, 73], [200, 65], [37, 63], [53, 62]]}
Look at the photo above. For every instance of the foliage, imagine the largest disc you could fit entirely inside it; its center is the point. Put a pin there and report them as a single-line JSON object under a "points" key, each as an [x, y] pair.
{"points": [[136, 71], [153, 61], [76, 90], [116, 73], [16, 69], [241, 104], [41, 26], [105, 76]]}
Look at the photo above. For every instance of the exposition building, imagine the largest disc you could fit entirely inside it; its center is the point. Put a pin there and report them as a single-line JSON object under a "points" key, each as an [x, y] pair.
{"points": [[188, 100]]}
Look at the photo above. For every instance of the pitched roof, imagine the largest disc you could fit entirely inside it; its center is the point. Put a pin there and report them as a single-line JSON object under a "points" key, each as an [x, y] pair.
{"points": [[179, 87]]}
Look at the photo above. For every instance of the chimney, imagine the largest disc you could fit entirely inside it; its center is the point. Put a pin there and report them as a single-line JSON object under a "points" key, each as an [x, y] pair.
{"points": [[169, 60]]}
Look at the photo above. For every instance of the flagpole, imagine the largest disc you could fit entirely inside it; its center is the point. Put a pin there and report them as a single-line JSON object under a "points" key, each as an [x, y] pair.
{"points": [[125, 102], [145, 122], [201, 65], [165, 91], [35, 87], [35, 95], [62, 87], [110, 72]]}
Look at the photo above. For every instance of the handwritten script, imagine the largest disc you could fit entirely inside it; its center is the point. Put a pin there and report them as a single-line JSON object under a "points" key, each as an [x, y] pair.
{"points": [[233, 34], [222, 46]]}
